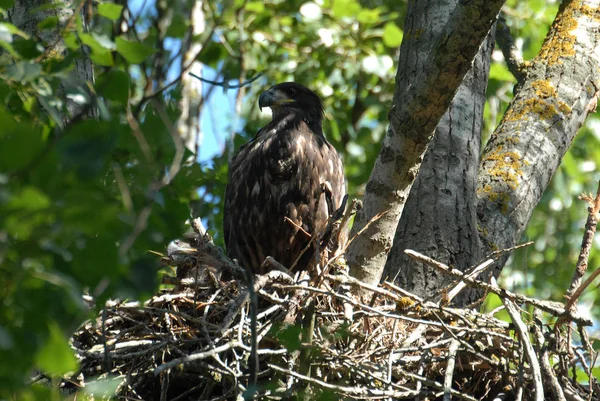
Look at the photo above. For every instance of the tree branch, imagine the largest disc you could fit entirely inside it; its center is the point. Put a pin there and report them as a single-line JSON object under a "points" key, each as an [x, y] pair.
{"points": [[416, 111]]}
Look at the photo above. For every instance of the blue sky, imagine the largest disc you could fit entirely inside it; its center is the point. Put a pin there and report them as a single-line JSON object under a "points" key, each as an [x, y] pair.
{"points": [[218, 116]]}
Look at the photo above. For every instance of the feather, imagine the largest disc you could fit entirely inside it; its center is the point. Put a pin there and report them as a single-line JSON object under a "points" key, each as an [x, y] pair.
{"points": [[274, 201]]}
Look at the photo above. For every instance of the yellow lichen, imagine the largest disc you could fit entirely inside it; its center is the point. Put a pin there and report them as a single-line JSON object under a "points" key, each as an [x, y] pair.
{"points": [[506, 166], [543, 89], [561, 40], [537, 106]]}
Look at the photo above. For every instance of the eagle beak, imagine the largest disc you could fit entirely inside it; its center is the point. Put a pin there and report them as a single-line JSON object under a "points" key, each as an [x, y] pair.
{"points": [[273, 98]]}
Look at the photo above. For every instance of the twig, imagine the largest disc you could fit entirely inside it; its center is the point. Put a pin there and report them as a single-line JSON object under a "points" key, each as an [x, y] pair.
{"points": [[461, 285], [512, 56], [529, 351], [225, 84], [196, 357], [576, 287], [350, 391], [545, 362], [452, 350], [554, 308]]}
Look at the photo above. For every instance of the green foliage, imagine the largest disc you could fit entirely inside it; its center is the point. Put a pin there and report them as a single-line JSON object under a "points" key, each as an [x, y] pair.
{"points": [[81, 201], [85, 196]]}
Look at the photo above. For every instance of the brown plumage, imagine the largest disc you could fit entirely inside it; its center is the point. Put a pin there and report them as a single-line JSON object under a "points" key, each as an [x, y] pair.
{"points": [[282, 172]]}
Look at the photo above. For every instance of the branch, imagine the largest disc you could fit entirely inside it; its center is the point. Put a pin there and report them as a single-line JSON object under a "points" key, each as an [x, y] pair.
{"points": [[411, 127], [512, 55], [586, 245], [225, 84], [554, 308], [521, 328]]}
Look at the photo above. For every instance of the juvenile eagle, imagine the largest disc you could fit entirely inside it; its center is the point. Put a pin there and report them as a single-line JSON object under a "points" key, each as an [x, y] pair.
{"points": [[283, 184]]}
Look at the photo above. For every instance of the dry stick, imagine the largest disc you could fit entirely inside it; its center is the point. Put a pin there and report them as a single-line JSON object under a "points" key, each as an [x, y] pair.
{"points": [[197, 356], [352, 391], [472, 275], [576, 288], [545, 362], [452, 351], [521, 329], [554, 308]]}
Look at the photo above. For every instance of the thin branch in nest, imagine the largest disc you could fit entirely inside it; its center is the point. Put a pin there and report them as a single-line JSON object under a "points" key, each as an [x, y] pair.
{"points": [[345, 390], [197, 356], [576, 287], [461, 284], [521, 328], [225, 84], [452, 351], [555, 308], [547, 370]]}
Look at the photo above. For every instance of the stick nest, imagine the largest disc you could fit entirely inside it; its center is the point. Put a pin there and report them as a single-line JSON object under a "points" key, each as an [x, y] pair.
{"points": [[316, 340]]}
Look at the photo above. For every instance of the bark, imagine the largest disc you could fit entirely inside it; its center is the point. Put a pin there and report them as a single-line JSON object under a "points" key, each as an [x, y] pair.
{"points": [[560, 90], [418, 105], [191, 92], [22, 17], [440, 218]]}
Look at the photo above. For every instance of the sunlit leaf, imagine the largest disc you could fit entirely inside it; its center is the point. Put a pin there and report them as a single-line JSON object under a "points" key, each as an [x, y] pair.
{"points": [[255, 6], [392, 35], [56, 357], [110, 10], [133, 52]]}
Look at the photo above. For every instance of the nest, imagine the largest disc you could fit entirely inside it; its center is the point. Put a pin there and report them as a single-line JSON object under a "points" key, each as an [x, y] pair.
{"points": [[316, 340]]}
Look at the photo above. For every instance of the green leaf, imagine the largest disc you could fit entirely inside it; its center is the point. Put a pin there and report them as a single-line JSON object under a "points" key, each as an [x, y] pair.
{"points": [[21, 142], [7, 30], [110, 10], [290, 337], [6, 4], [367, 16], [348, 8], [500, 72], [104, 388], [71, 40], [23, 71], [133, 52], [179, 26], [29, 199], [255, 6], [28, 49], [86, 146], [392, 35], [48, 23], [114, 86], [56, 356], [101, 54], [212, 54]]}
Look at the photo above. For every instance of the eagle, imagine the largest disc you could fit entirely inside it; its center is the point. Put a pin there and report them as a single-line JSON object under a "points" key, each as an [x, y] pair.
{"points": [[284, 184]]}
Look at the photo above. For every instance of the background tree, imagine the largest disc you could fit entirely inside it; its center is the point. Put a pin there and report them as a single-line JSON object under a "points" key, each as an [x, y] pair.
{"points": [[83, 200]]}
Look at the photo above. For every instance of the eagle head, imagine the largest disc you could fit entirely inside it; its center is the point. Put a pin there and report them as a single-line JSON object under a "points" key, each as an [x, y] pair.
{"points": [[289, 97]]}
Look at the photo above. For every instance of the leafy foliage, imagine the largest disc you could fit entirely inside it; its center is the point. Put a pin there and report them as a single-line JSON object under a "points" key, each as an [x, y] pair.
{"points": [[84, 197]]}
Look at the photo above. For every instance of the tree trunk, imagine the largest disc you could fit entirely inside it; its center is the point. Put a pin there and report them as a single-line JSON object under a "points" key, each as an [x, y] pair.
{"points": [[190, 104], [418, 105], [560, 90], [439, 219], [21, 16]]}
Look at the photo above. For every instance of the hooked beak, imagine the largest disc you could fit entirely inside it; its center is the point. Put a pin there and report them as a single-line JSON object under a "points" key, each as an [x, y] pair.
{"points": [[273, 98]]}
